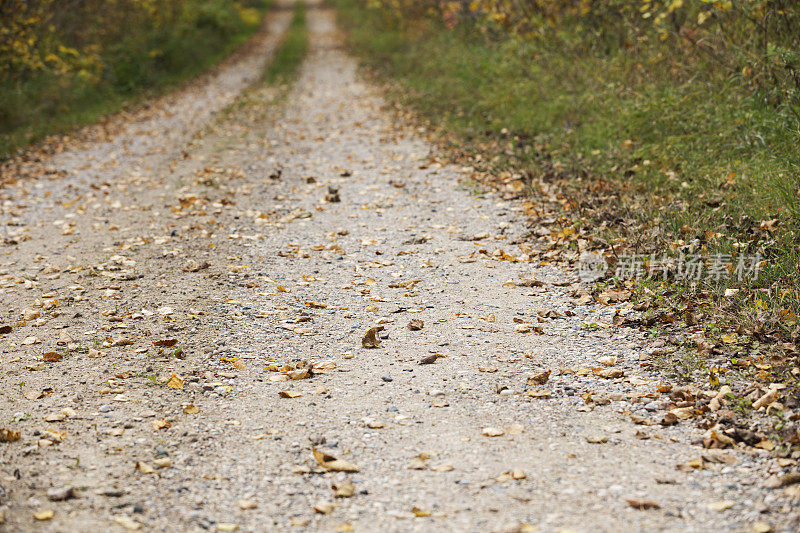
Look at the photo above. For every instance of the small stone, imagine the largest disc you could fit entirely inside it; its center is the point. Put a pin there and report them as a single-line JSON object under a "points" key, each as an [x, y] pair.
{"points": [[58, 494]]}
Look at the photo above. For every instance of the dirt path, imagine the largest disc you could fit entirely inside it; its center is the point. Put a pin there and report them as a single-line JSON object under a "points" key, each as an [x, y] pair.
{"points": [[158, 237]]}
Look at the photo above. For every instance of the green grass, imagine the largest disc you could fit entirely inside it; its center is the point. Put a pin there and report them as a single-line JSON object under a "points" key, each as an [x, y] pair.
{"points": [[709, 158], [292, 50], [142, 65]]}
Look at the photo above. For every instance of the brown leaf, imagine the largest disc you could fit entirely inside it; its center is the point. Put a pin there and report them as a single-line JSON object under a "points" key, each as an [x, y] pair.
{"points": [[415, 324], [290, 394], [539, 379], [329, 462], [7, 435], [371, 339], [5, 330], [642, 505], [52, 357], [166, 343], [670, 419]]}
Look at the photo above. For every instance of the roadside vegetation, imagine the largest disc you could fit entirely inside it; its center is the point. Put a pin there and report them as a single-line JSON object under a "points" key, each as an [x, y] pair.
{"points": [[64, 64], [293, 49], [663, 130]]}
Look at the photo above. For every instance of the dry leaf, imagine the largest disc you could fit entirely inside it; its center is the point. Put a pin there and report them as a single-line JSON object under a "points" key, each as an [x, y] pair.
{"points": [[190, 409], [539, 379], [492, 432], [608, 373], [419, 513], [44, 514], [290, 394], [721, 505], [51, 357], [371, 339], [324, 507], [343, 490], [127, 523], [7, 435], [166, 343], [161, 424], [642, 504], [247, 504], [330, 462], [415, 324], [538, 393], [175, 382], [144, 468]]}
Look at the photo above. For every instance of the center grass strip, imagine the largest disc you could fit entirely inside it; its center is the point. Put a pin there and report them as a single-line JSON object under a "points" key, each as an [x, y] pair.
{"points": [[292, 50]]}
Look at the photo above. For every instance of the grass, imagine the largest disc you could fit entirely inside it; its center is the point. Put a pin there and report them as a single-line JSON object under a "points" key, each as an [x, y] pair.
{"points": [[292, 50], [138, 67], [629, 154], [643, 150]]}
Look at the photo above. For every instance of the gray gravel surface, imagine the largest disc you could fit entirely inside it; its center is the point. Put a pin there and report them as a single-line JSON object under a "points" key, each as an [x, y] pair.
{"points": [[223, 234]]}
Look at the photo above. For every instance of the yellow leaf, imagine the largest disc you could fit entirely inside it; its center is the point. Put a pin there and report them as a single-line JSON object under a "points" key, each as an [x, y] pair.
{"points": [[175, 382], [44, 514]]}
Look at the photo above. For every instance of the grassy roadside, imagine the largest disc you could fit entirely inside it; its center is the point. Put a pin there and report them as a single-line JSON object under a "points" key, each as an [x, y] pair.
{"points": [[622, 157], [145, 63], [293, 49], [255, 103]]}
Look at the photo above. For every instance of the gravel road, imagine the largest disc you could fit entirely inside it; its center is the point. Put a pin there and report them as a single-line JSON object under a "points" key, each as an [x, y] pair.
{"points": [[188, 302]]}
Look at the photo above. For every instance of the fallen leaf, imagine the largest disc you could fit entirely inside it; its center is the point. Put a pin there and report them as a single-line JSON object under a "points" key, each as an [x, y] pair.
{"points": [[161, 424], [175, 382], [144, 468], [44, 514], [538, 393], [415, 324], [371, 338], [127, 523], [247, 504], [721, 505], [166, 343], [190, 409], [51, 357], [344, 489], [539, 379], [7, 435], [642, 505], [492, 432], [290, 394], [330, 462], [324, 507], [419, 513], [608, 373]]}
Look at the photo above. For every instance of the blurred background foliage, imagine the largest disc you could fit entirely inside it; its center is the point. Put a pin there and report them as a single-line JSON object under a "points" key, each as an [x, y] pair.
{"points": [[62, 61]]}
